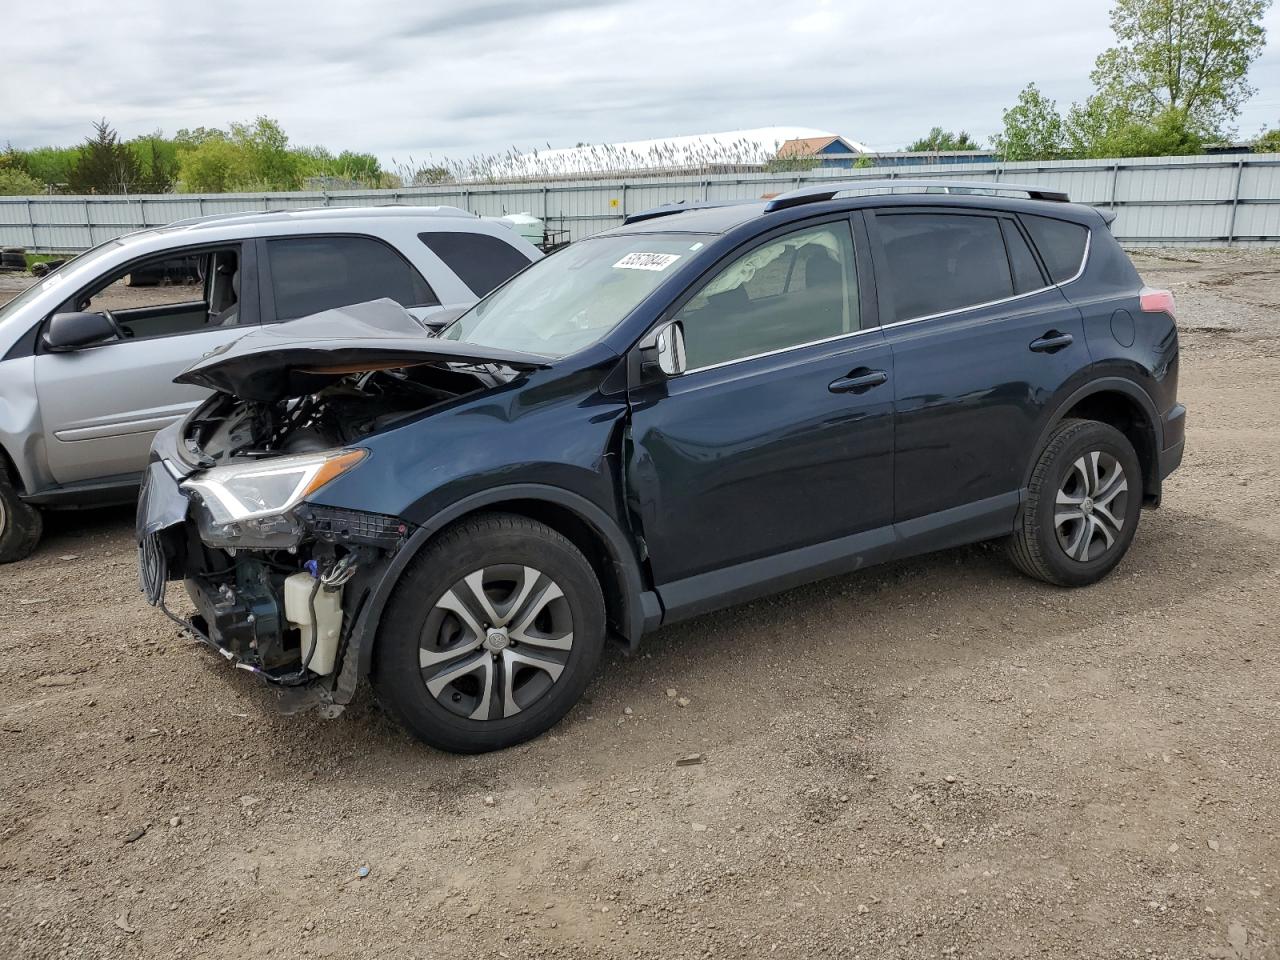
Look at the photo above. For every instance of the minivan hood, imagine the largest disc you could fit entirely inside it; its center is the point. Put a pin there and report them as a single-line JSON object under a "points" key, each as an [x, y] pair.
{"points": [[301, 356]]}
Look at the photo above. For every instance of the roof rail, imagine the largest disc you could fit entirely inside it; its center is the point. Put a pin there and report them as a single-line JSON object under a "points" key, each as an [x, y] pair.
{"points": [[828, 191], [678, 206]]}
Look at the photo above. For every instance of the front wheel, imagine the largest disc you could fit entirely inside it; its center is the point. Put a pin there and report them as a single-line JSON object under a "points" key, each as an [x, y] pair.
{"points": [[1082, 508], [20, 523], [491, 636]]}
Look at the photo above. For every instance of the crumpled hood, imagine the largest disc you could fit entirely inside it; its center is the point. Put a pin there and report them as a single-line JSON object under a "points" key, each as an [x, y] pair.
{"points": [[299, 357]]}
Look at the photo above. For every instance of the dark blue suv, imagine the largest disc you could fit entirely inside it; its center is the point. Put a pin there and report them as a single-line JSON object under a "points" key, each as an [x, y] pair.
{"points": [[709, 403]]}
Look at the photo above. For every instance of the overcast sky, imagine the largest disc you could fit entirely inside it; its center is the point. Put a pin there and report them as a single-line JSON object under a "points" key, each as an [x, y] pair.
{"points": [[452, 79]]}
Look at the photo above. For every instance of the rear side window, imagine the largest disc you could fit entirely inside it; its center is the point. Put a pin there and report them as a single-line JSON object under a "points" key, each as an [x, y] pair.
{"points": [[1061, 245], [311, 274], [482, 262], [939, 262], [1026, 272]]}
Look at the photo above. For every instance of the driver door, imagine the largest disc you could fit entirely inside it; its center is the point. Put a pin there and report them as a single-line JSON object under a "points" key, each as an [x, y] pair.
{"points": [[101, 405], [779, 436]]}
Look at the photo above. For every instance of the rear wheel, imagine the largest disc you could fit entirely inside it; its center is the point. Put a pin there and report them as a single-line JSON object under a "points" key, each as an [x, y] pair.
{"points": [[491, 636], [1083, 505], [20, 523]]}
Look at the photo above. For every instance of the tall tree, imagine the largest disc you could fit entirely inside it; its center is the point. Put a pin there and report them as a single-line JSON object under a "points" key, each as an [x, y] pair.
{"points": [[1186, 56], [937, 140], [159, 168], [105, 164], [1032, 128]]}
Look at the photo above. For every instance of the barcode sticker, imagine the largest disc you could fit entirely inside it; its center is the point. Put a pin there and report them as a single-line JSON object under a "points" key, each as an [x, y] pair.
{"points": [[646, 261]]}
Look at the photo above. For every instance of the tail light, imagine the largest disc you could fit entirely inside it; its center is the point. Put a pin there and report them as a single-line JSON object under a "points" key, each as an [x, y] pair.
{"points": [[1156, 301]]}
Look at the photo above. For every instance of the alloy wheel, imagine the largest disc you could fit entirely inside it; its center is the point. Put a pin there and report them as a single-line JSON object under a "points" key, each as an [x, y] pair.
{"points": [[496, 642], [1091, 506]]}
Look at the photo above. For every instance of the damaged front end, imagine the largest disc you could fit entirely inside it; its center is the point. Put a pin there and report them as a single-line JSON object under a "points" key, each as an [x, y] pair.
{"points": [[276, 580]]}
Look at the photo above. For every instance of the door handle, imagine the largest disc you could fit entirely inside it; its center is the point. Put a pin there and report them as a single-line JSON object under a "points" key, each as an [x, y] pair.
{"points": [[1052, 342], [858, 381]]}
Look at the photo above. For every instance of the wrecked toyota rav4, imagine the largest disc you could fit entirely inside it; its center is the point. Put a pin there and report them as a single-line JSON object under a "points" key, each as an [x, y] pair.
{"points": [[705, 405]]}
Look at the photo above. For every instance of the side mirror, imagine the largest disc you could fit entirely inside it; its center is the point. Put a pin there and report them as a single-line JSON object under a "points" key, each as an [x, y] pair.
{"points": [[71, 331], [663, 351]]}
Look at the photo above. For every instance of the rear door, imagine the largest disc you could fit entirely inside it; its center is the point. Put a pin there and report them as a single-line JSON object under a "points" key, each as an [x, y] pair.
{"points": [[100, 406], [982, 342], [310, 274]]}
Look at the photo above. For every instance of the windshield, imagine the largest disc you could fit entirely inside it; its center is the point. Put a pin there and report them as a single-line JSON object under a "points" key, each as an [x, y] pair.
{"points": [[575, 296], [55, 278]]}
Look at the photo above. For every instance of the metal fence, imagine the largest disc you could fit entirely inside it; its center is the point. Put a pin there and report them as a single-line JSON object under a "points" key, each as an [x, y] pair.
{"points": [[1201, 201]]}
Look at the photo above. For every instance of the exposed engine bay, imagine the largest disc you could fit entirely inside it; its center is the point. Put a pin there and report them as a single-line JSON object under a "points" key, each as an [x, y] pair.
{"points": [[276, 581], [228, 429]]}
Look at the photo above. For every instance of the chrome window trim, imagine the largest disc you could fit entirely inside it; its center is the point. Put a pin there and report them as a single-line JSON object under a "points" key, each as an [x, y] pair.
{"points": [[771, 353], [1084, 263]]}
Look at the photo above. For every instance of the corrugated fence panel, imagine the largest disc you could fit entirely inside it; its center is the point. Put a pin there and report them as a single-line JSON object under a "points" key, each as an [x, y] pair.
{"points": [[1206, 200]]}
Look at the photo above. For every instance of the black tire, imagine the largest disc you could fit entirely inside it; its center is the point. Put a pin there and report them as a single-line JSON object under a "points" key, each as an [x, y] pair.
{"points": [[20, 523], [1037, 547], [411, 625]]}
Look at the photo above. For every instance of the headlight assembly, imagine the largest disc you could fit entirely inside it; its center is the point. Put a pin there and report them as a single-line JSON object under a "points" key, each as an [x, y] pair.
{"points": [[248, 504]]}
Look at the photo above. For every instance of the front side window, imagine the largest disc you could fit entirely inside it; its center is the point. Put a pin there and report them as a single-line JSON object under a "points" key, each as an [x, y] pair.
{"points": [[797, 289], [311, 274], [172, 294], [938, 262], [575, 296], [482, 262]]}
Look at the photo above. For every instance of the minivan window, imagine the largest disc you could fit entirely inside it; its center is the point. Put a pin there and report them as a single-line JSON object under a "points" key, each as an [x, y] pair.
{"points": [[482, 262], [797, 289], [1061, 245], [937, 262], [311, 274], [575, 296]]}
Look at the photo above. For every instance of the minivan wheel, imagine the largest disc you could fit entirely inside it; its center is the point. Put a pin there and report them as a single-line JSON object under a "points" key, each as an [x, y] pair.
{"points": [[491, 636], [1082, 508], [20, 523]]}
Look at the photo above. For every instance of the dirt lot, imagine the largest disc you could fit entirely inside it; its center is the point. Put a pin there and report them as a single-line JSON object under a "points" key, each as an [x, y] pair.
{"points": [[934, 759]]}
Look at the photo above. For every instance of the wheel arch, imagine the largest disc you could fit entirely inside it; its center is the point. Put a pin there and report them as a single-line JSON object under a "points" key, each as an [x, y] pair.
{"points": [[1124, 405], [9, 469], [630, 608]]}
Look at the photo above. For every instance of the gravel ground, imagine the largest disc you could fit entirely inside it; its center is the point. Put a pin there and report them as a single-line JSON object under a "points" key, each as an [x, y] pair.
{"points": [[937, 758]]}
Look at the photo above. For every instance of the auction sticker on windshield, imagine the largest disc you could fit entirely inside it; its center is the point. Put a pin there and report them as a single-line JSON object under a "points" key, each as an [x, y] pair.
{"points": [[646, 261]]}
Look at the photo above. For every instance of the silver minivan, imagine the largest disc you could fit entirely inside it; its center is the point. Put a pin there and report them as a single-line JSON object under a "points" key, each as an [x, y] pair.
{"points": [[88, 354]]}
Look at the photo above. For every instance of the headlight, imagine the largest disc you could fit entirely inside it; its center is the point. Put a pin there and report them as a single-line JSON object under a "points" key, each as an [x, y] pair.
{"points": [[245, 501]]}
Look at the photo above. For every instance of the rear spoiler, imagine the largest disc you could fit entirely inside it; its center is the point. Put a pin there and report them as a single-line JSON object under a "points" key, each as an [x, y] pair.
{"points": [[1108, 217]]}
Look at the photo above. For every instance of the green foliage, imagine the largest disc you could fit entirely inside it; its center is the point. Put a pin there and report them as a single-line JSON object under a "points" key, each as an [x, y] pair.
{"points": [[1032, 128], [1268, 141], [18, 183], [938, 140], [158, 161], [791, 164], [53, 165], [270, 163], [215, 166], [1173, 82], [185, 138], [1182, 57], [105, 165]]}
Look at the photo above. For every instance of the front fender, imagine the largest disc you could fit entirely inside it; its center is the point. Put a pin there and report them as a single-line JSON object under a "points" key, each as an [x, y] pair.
{"points": [[642, 611]]}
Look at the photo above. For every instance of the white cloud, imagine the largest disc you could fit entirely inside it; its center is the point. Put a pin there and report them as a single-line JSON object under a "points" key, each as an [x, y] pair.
{"points": [[456, 78]]}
